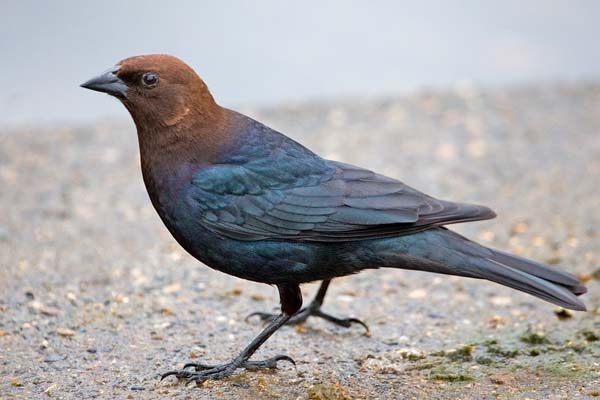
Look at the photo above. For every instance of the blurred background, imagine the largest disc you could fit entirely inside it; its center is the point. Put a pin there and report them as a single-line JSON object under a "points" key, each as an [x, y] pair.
{"points": [[268, 51], [496, 103]]}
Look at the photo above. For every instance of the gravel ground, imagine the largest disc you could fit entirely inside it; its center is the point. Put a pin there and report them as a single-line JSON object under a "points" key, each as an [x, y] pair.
{"points": [[96, 298]]}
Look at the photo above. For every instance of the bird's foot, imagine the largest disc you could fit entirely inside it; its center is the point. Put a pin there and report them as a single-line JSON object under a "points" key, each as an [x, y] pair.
{"points": [[203, 372], [313, 310]]}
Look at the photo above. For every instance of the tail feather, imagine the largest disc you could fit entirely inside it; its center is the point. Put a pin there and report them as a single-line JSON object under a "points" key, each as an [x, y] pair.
{"points": [[540, 270], [513, 276], [464, 257]]}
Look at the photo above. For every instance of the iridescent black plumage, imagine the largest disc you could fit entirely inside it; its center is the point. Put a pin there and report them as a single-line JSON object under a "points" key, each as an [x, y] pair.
{"points": [[249, 201]]}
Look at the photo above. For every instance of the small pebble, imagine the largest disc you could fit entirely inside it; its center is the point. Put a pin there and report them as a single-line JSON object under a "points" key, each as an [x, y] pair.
{"points": [[563, 314], [65, 332], [53, 358]]}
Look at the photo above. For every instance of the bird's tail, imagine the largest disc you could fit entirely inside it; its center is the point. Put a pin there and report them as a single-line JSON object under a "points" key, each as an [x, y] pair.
{"points": [[460, 256]]}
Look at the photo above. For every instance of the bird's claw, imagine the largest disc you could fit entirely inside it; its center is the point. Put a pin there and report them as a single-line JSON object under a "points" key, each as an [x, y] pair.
{"points": [[347, 323], [269, 363], [314, 311], [179, 374], [198, 366], [204, 372], [266, 317]]}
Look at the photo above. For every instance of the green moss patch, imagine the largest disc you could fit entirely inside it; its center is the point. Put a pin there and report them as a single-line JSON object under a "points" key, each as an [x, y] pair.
{"points": [[532, 338]]}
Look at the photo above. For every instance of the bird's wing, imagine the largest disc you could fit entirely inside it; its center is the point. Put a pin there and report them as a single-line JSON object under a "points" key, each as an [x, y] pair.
{"points": [[317, 200]]}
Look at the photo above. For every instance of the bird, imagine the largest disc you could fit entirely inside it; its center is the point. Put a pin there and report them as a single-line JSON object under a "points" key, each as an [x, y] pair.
{"points": [[246, 200]]}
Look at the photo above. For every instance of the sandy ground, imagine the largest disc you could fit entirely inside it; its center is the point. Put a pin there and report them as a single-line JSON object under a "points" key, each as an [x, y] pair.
{"points": [[96, 298]]}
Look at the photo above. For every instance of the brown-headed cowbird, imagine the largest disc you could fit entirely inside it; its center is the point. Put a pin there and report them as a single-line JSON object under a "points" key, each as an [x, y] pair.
{"points": [[248, 201]]}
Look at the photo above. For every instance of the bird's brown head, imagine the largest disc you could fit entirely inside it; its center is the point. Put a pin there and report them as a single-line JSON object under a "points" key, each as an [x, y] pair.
{"points": [[158, 90]]}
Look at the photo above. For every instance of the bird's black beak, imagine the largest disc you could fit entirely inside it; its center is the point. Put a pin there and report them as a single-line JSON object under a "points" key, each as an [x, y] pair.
{"points": [[107, 82]]}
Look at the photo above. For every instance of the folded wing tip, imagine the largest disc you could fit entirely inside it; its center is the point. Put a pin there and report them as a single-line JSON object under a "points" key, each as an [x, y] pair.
{"points": [[490, 214], [579, 289]]}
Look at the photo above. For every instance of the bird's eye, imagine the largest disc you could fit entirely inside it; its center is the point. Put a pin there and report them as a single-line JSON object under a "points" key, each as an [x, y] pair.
{"points": [[150, 79]]}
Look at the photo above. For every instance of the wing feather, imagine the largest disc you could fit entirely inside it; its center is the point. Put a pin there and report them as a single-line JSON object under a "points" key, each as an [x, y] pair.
{"points": [[311, 199]]}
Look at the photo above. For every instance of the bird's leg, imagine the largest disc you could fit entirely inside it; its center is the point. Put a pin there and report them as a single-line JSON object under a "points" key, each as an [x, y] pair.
{"points": [[291, 301], [313, 309]]}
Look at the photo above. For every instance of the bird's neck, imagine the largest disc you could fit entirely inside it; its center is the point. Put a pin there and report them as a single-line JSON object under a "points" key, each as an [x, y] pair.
{"points": [[170, 155], [196, 137]]}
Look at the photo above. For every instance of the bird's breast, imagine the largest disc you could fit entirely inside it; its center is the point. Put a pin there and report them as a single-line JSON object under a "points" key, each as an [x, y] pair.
{"points": [[164, 186]]}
